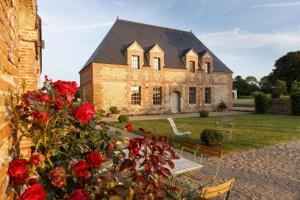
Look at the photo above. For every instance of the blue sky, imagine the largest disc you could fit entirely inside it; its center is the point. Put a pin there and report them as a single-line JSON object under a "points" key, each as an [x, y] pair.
{"points": [[247, 35]]}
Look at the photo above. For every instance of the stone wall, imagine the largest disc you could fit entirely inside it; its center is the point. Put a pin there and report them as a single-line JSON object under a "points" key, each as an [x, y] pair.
{"points": [[111, 86], [13, 49], [280, 106]]}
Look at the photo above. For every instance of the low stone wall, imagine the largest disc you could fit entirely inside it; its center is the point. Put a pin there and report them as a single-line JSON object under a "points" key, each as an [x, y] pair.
{"points": [[280, 106]]}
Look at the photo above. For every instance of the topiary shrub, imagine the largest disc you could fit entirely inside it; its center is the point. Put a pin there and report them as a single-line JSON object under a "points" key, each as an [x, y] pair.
{"points": [[204, 113], [114, 110], [123, 118], [211, 137], [261, 100], [222, 106]]}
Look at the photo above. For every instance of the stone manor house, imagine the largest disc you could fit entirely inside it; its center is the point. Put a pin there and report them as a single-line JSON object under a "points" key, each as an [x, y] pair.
{"points": [[146, 69]]}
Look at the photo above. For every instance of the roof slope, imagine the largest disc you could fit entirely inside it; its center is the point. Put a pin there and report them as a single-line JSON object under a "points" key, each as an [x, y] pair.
{"points": [[174, 43]]}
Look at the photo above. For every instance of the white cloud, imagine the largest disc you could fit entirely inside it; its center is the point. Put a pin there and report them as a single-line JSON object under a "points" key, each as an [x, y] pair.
{"points": [[286, 4], [237, 38], [91, 26]]}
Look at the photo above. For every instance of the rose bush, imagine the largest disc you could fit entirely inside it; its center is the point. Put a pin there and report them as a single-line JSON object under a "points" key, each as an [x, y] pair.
{"points": [[76, 157]]}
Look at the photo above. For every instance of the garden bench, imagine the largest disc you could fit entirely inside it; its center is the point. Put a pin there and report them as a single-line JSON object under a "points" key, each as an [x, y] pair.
{"points": [[176, 131]]}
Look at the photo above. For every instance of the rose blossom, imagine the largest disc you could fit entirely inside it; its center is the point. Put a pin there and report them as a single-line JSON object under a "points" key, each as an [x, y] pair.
{"points": [[94, 159], [44, 116], [17, 171], [58, 177], [79, 194], [45, 98], [85, 113], [35, 192], [68, 88], [35, 159], [128, 127], [80, 168]]}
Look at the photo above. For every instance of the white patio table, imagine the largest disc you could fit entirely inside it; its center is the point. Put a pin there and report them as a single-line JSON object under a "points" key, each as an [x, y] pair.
{"points": [[182, 165]]}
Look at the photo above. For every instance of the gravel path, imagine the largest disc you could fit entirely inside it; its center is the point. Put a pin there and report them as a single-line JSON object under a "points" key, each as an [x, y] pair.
{"points": [[267, 173], [271, 173]]}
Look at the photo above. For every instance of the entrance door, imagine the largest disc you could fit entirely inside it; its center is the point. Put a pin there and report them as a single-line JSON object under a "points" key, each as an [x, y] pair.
{"points": [[175, 102]]}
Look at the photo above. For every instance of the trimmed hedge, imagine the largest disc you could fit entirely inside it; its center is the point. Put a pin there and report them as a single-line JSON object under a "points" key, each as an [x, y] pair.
{"points": [[222, 106], [295, 97], [114, 110], [204, 113], [261, 103], [123, 118], [211, 137]]}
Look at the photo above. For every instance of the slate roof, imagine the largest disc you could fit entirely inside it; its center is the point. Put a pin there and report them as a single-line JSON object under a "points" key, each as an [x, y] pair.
{"points": [[173, 42]]}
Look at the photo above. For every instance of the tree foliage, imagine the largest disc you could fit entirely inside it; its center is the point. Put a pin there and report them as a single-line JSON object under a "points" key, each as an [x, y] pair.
{"points": [[245, 87], [287, 68]]}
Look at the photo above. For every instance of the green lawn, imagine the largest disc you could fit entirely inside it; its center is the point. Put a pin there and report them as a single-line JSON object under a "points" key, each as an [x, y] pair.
{"points": [[250, 131], [243, 102]]}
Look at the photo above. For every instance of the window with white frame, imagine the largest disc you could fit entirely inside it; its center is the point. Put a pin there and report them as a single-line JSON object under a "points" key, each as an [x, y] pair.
{"points": [[191, 66], [156, 64], [207, 95], [192, 95], [157, 95], [135, 64], [136, 95], [207, 67]]}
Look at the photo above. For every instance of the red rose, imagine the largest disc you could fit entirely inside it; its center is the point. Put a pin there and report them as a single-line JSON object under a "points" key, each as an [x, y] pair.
{"points": [[80, 168], [94, 159], [43, 117], [110, 146], [59, 102], [58, 177], [35, 192], [85, 113], [79, 194], [45, 98], [68, 88], [35, 159], [17, 171], [128, 127]]}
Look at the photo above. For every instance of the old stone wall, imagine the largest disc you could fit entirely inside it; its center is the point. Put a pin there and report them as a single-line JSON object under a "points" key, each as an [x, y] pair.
{"points": [[111, 86], [12, 68]]}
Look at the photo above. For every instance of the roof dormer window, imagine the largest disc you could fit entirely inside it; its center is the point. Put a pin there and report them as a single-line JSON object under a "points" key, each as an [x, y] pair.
{"points": [[191, 66], [207, 67], [156, 63], [135, 62]]}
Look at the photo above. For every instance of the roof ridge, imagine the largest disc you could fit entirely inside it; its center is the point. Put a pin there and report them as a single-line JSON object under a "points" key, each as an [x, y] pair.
{"points": [[141, 23]]}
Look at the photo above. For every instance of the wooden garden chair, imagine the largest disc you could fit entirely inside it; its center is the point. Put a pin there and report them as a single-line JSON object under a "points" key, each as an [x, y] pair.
{"points": [[225, 125], [215, 191], [177, 133]]}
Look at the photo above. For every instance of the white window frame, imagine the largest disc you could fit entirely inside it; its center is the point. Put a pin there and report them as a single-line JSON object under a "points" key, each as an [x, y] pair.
{"points": [[207, 67], [156, 63], [135, 62]]}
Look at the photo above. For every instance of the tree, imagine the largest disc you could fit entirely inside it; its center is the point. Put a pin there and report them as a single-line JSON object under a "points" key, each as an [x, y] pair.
{"points": [[287, 68], [281, 87], [295, 97], [243, 87], [266, 85], [251, 80]]}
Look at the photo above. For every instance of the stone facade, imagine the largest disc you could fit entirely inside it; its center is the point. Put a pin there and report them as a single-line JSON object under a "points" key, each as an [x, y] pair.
{"points": [[146, 69], [20, 67], [108, 85]]}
